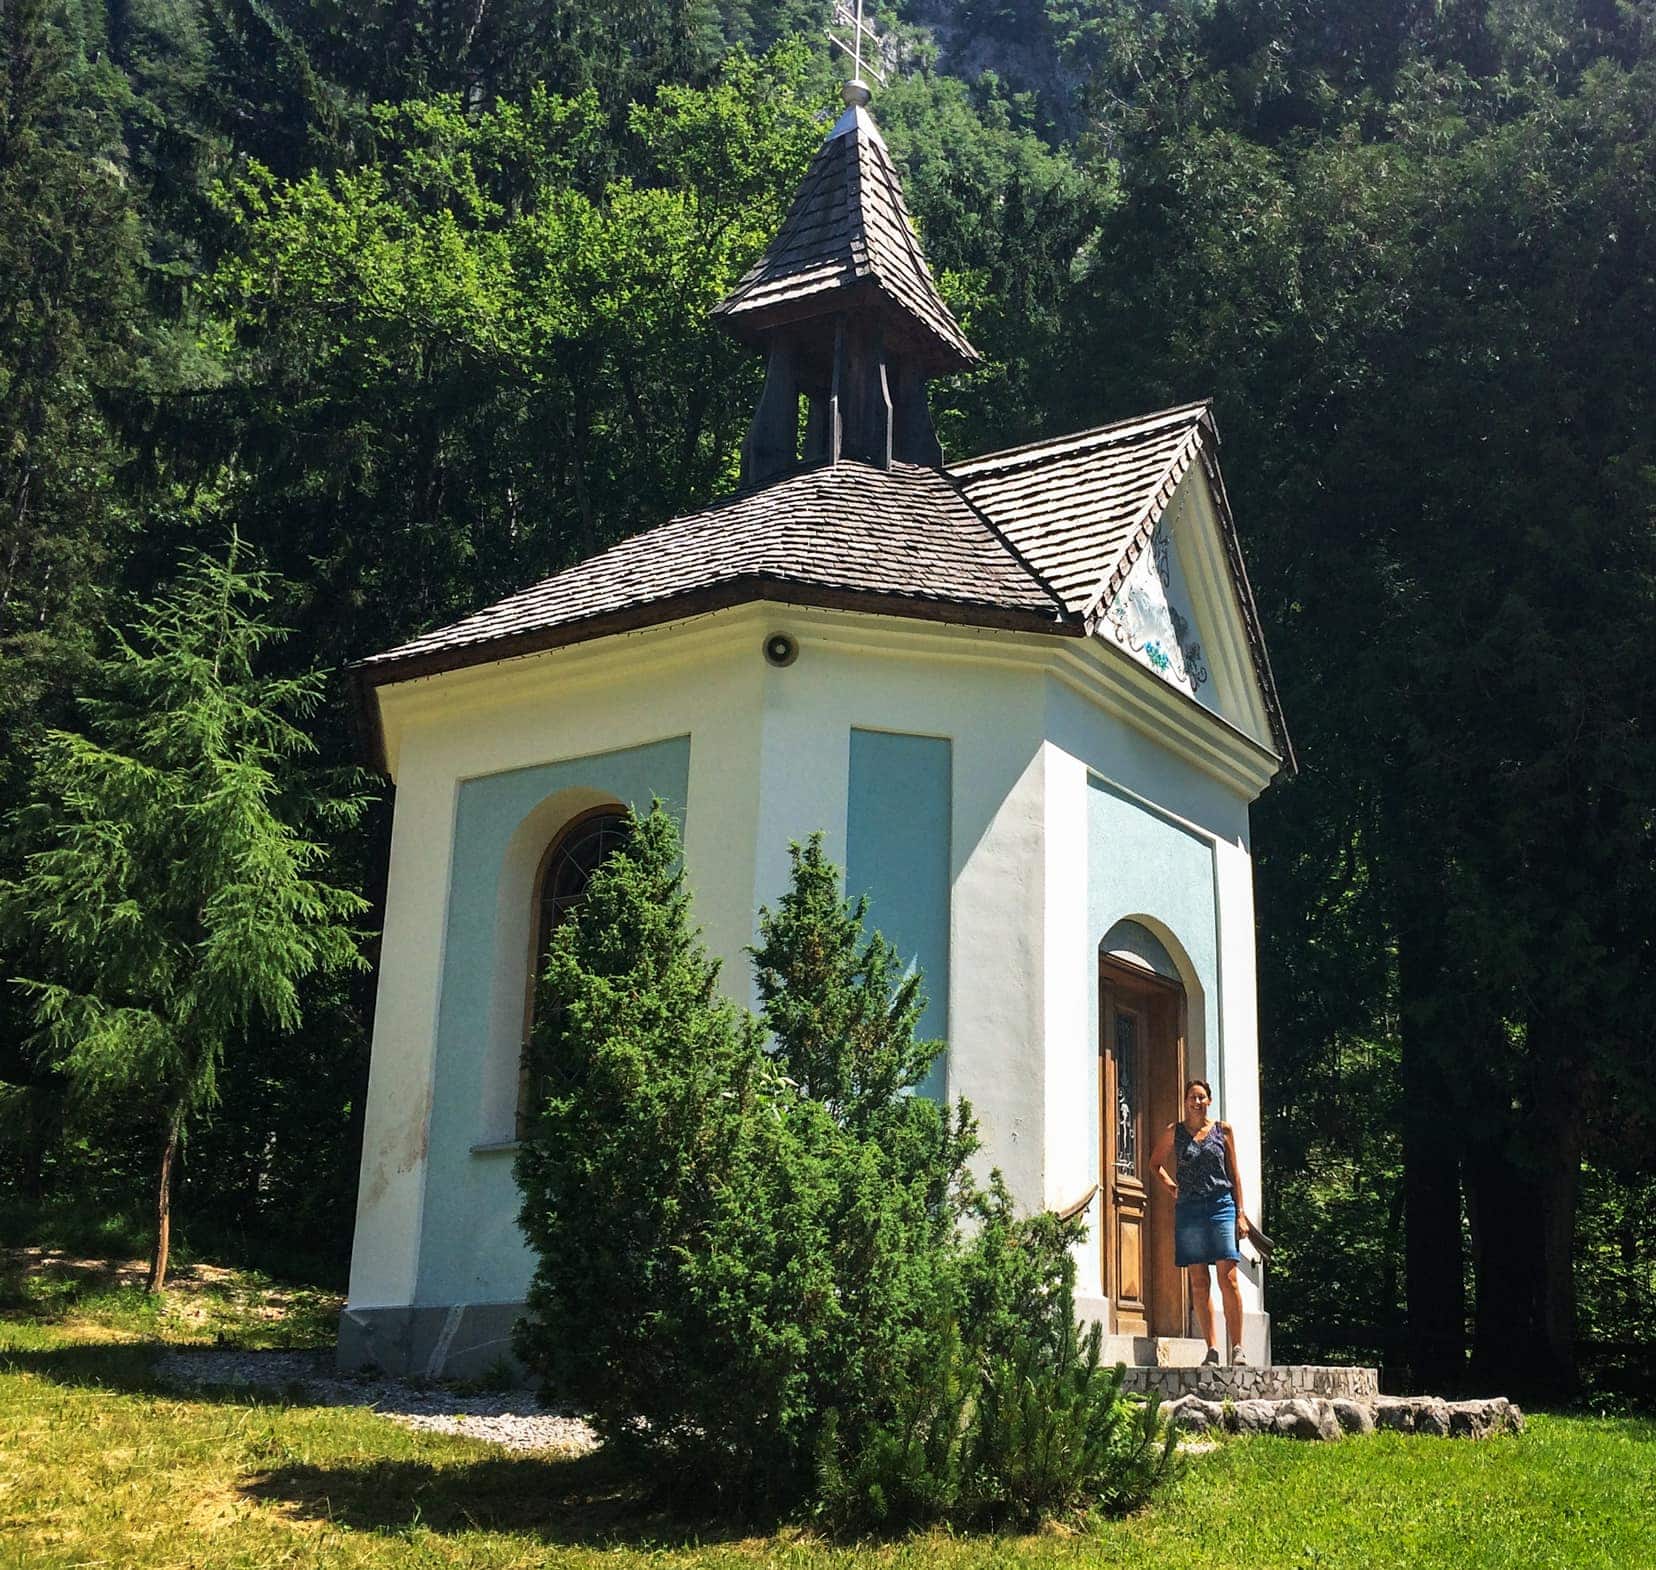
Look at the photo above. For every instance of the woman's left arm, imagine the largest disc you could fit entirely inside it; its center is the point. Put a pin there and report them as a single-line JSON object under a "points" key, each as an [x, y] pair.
{"points": [[1235, 1170]]}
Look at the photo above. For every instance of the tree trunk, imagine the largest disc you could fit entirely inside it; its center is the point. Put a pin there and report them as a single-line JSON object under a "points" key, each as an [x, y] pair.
{"points": [[1527, 1181], [1524, 1340], [1390, 1309], [163, 1203], [1434, 1281], [1507, 1268], [1560, 1115], [1560, 1188]]}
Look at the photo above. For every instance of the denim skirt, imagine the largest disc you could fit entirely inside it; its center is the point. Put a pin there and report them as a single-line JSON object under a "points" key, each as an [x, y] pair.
{"points": [[1204, 1231]]}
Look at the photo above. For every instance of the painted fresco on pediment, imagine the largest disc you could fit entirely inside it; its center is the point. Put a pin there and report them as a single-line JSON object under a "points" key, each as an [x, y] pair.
{"points": [[1151, 619]]}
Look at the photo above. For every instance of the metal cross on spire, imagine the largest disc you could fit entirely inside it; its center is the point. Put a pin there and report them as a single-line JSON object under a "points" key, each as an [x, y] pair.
{"points": [[850, 17]]}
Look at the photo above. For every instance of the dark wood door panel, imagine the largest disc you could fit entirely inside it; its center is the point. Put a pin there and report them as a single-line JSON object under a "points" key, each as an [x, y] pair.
{"points": [[1141, 1075]]}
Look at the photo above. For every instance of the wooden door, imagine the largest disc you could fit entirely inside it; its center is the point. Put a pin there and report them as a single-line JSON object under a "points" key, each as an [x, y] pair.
{"points": [[1141, 1071]]}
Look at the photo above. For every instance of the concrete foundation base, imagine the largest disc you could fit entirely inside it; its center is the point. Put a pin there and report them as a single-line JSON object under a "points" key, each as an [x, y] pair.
{"points": [[1256, 1383], [1171, 1351], [460, 1341], [469, 1340]]}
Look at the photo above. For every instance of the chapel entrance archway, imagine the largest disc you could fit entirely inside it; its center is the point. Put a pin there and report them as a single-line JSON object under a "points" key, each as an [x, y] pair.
{"points": [[1141, 1017]]}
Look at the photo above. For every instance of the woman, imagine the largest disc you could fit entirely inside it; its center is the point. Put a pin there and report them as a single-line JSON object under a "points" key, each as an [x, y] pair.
{"points": [[1208, 1222]]}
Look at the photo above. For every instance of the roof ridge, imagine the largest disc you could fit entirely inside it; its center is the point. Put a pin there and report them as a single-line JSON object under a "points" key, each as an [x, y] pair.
{"points": [[1077, 441], [887, 172], [856, 227], [1011, 548]]}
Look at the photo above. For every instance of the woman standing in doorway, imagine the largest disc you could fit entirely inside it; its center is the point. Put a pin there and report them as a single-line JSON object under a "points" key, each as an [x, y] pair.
{"points": [[1208, 1222]]}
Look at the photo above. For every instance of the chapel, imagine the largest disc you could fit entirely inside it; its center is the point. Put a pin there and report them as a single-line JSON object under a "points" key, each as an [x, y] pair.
{"points": [[1023, 695]]}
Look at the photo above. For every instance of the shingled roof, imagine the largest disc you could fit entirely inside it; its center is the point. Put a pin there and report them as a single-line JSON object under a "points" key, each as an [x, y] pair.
{"points": [[1037, 538], [901, 539], [848, 233], [1081, 509], [1075, 507]]}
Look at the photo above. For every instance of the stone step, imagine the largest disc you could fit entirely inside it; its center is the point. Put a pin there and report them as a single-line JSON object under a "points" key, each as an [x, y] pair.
{"points": [[1154, 1351], [1277, 1382]]}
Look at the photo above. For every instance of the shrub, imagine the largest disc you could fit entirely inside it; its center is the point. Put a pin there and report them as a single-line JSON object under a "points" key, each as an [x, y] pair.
{"points": [[764, 1266], [1013, 1420], [1053, 1434]]}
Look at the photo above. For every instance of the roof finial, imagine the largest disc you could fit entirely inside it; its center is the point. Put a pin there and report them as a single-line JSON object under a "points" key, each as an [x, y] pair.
{"points": [[856, 90]]}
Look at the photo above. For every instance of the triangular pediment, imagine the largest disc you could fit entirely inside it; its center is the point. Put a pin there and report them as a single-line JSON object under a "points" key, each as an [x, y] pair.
{"points": [[1129, 526], [1177, 613]]}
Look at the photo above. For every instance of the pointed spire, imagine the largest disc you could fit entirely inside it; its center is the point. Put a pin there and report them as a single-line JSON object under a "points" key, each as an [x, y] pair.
{"points": [[845, 307], [848, 240]]}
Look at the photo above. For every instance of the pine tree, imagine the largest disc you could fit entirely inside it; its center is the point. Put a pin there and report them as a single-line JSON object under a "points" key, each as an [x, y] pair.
{"points": [[730, 1264], [753, 1269], [170, 896], [956, 1383]]}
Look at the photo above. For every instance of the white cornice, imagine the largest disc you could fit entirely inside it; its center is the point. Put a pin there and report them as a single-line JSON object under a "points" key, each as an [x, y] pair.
{"points": [[1105, 676]]}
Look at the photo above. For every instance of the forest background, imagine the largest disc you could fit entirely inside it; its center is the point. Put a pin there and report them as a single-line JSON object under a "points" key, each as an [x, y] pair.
{"points": [[413, 299]]}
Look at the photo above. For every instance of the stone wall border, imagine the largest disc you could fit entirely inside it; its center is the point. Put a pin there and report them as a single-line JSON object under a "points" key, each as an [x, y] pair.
{"points": [[1278, 1382], [1311, 1417]]}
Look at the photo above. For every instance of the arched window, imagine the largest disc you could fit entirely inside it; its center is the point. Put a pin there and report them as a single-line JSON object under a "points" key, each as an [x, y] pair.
{"points": [[582, 846]]}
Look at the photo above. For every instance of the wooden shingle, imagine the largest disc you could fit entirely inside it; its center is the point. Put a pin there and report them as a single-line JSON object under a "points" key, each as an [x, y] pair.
{"points": [[902, 535], [1037, 538], [1079, 508], [848, 238]]}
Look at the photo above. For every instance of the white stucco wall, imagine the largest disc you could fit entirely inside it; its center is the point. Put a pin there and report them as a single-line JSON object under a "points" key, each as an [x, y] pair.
{"points": [[1034, 725], [479, 725], [990, 712]]}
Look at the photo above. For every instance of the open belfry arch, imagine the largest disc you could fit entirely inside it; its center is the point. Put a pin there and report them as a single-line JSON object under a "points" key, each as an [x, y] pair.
{"points": [[1024, 695]]}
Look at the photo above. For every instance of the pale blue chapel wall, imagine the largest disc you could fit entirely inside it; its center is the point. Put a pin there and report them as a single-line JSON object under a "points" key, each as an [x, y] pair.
{"points": [[1144, 766], [897, 852], [471, 1250], [1141, 864], [1152, 823]]}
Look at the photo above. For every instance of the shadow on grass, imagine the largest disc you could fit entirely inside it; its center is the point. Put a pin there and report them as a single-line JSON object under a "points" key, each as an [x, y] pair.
{"points": [[129, 1366], [120, 1365], [584, 1501], [52, 1290], [587, 1500]]}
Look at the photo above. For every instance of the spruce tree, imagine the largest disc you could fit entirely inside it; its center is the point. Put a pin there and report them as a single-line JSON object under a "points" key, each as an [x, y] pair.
{"points": [[171, 895], [753, 1269], [730, 1263]]}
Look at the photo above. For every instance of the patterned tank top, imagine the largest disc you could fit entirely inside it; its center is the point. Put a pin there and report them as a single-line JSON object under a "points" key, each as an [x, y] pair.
{"points": [[1202, 1172]]}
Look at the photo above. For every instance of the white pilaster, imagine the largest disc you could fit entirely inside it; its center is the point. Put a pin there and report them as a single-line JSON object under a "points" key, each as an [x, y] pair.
{"points": [[397, 1121]]}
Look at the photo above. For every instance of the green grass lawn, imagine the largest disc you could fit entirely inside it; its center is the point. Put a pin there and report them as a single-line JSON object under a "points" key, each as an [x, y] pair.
{"points": [[100, 1467]]}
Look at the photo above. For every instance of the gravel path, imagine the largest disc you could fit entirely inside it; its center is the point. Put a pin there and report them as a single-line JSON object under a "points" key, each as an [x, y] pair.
{"points": [[514, 1419]]}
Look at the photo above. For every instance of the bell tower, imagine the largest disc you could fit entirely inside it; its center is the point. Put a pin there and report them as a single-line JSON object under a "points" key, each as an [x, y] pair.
{"points": [[844, 308]]}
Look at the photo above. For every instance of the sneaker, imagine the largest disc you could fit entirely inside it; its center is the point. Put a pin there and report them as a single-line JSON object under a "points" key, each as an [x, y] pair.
{"points": [[1212, 1358], [1239, 1358]]}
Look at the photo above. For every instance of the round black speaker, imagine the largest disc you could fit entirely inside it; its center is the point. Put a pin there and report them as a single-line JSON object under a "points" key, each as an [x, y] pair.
{"points": [[781, 649]]}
